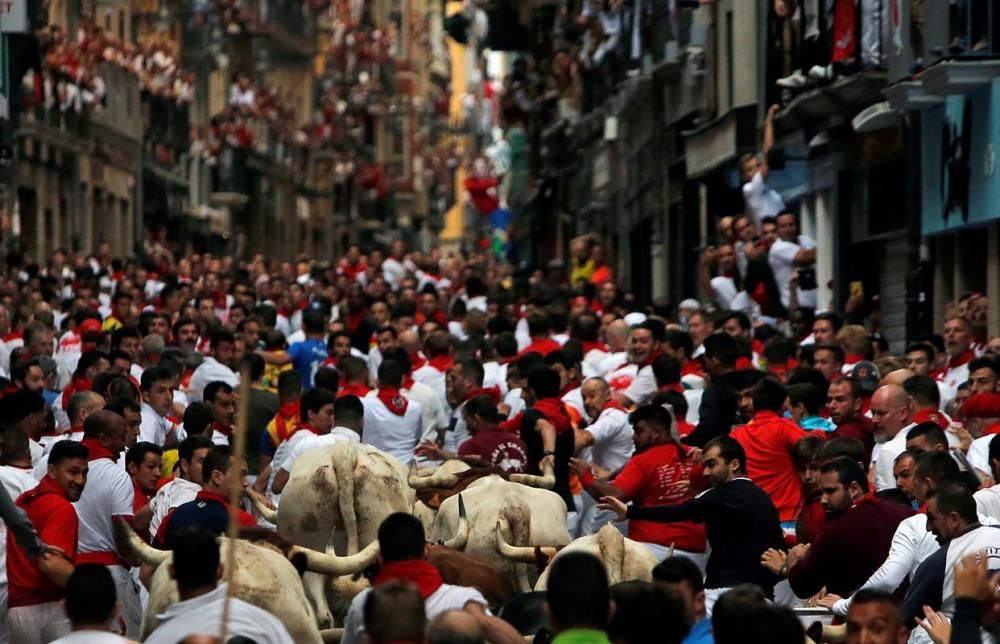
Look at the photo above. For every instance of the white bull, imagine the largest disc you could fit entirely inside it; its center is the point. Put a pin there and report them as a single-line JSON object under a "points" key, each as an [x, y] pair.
{"points": [[263, 576], [528, 516], [336, 497], [623, 558]]}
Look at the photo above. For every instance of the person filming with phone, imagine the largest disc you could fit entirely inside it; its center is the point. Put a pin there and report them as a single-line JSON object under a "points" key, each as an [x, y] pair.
{"points": [[793, 261]]}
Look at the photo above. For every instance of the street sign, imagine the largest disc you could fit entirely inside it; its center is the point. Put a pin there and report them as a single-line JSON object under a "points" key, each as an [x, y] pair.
{"points": [[14, 16]]}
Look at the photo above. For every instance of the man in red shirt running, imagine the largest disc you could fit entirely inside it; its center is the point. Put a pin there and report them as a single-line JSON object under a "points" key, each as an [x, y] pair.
{"points": [[659, 473], [37, 585], [769, 442]]}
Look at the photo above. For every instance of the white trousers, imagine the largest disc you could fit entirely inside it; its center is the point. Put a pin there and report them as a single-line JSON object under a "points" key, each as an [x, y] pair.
{"points": [[130, 618], [37, 624]]}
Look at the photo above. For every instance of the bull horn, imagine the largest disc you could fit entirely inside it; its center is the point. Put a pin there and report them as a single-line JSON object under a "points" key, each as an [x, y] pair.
{"points": [[436, 479], [269, 515], [135, 548], [547, 481], [327, 564], [462, 534], [524, 554], [331, 635]]}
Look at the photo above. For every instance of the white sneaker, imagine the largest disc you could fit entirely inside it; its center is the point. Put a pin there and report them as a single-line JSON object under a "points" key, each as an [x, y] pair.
{"points": [[794, 80], [821, 73]]}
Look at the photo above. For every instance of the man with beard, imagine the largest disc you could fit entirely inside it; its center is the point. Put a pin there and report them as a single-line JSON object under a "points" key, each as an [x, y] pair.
{"points": [[745, 381], [838, 559], [740, 521], [185, 333], [844, 399], [37, 585], [952, 518]]}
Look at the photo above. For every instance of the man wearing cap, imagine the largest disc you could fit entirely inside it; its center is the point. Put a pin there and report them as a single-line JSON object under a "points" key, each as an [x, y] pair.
{"points": [[982, 414]]}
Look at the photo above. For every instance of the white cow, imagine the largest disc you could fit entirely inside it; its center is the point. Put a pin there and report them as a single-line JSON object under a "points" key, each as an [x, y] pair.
{"points": [[624, 559], [529, 516], [264, 576], [336, 497]]}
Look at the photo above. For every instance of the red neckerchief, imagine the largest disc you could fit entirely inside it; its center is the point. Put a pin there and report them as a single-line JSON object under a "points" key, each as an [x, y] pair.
{"points": [[421, 574], [507, 360], [692, 368], [219, 300], [932, 416], [555, 412], [492, 392], [355, 319], [206, 495], [853, 358], [992, 429], [354, 389], [289, 410], [442, 363], [512, 425], [613, 404], [589, 346], [416, 361], [225, 430], [331, 361], [743, 363], [13, 335], [76, 386], [306, 427], [757, 346], [676, 386], [393, 400], [407, 382], [97, 451], [961, 359], [289, 312]]}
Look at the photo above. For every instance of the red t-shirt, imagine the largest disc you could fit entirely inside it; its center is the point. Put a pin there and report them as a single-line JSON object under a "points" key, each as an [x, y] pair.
{"points": [[501, 449], [647, 479], [55, 520], [768, 441]]}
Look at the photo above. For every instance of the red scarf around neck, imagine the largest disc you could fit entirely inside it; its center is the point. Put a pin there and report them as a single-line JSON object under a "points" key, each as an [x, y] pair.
{"points": [[589, 346], [421, 574], [97, 451], [306, 427], [225, 430], [354, 389], [416, 361], [77, 385], [442, 363], [555, 412], [613, 404], [961, 359], [393, 400]]}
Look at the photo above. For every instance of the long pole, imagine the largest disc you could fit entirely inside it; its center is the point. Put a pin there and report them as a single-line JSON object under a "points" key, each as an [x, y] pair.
{"points": [[235, 495]]}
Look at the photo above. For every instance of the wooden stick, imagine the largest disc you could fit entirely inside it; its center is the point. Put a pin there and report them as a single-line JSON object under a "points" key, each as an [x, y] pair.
{"points": [[236, 494]]}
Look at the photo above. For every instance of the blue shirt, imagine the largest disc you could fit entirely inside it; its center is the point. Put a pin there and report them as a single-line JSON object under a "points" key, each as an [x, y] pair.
{"points": [[701, 633], [307, 356]]}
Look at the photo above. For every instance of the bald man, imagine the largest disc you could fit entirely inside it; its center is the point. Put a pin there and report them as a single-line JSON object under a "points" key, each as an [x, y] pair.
{"points": [[616, 336], [892, 411], [897, 377], [454, 626]]}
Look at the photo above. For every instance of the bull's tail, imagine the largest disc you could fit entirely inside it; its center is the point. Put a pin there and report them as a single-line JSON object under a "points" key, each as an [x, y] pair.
{"points": [[518, 520], [344, 469]]}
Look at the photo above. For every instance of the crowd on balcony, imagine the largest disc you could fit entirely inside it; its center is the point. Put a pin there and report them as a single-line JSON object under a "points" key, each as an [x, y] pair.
{"points": [[71, 73]]}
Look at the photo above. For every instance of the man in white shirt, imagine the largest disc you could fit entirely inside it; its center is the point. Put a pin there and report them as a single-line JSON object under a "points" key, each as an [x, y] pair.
{"points": [[91, 607], [197, 569], [157, 400], [437, 348], [435, 418], [186, 482], [791, 252], [402, 544], [16, 477], [958, 339], [643, 348], [606, 442], [26, 410], [393, 270], [315, 420], [109, 493], [392, 423], [222, 398], [761, 201], [892, 412], [214, 367], [348, 413]]}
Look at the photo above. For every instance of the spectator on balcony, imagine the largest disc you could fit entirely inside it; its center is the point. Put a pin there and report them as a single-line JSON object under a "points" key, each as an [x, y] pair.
{"points": [[241, 94], [760, 199], [793, 258]]}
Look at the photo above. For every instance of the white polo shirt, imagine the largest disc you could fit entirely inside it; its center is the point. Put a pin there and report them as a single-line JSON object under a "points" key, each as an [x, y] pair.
{"points": [[445, 598], [612, 434], [154, 427], [210, 370], [390, 432], [175, 493], [311, 442], [109, 492]]}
